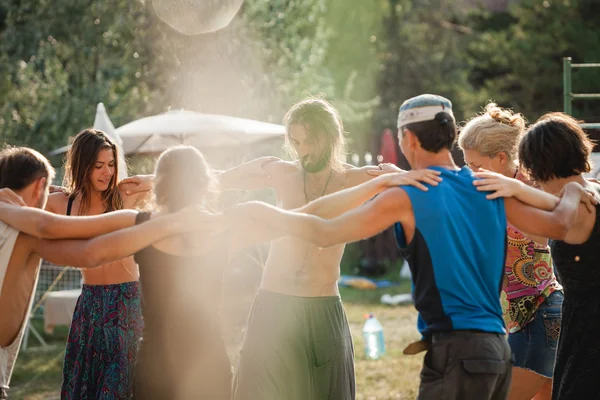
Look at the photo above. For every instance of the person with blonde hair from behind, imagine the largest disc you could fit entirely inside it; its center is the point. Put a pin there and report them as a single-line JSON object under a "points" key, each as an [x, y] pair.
{"points": [[531, 296]]}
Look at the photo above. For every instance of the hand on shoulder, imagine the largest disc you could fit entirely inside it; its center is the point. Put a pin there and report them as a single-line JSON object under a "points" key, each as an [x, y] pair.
{"points": [[589, 196], [383, 168], [498, 184], [57, 202], [136, 184]]}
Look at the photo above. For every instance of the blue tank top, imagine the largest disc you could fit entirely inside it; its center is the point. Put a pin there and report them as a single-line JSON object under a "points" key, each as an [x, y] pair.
{"points": [[456, 256]]}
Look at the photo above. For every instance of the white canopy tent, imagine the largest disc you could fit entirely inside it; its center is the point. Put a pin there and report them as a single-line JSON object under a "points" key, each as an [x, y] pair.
{"points": [[159, 132], [103, 123]]}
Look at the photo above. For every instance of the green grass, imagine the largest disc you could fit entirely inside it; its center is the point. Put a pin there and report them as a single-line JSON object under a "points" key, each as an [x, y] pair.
{"points": [[38, 373], [394, 376]]}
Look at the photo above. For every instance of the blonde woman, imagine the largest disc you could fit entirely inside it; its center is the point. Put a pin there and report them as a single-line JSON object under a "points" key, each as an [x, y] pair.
{"points": [[531, 296]]}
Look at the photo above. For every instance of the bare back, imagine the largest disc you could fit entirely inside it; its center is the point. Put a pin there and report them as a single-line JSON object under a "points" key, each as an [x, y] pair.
{"points": [[17, 288], [296, 267], [125, 270]]}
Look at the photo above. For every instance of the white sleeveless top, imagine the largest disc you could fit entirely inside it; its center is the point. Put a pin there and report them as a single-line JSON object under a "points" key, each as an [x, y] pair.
{"points": [[8, 355]]}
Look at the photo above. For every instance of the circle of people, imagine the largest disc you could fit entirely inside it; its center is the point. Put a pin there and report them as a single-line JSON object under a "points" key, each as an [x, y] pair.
{"points": [[483, 243]]}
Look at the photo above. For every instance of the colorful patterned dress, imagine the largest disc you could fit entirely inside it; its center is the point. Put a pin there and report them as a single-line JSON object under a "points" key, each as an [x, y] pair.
{"points": [[529, 278], [103, 343]]}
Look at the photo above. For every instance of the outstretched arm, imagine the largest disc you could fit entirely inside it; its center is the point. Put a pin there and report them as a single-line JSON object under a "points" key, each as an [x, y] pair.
{"points": [[44, 224], [336, 204], [252, 175], [371, 218], [502, 186], [330, 206], [122, 243], [553, 224], [357, 176]]}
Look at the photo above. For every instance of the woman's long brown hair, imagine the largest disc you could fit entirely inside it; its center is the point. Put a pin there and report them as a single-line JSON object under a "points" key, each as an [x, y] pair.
{"points": [[79, 164]]}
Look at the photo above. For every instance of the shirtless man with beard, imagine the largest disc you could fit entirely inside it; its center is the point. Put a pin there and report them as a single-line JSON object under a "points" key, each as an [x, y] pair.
{"points": [[298, 343]]}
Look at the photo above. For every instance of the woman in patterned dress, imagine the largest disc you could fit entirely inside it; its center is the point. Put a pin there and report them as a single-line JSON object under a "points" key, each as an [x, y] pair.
{"points": [[531, 296], [107, 323]]}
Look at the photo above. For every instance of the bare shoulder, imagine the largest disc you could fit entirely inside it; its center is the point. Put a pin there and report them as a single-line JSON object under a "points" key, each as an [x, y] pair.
{"points": [[357, 175], [391, 206], [57, 203], [278, 167], [273, 167], [396, 203], [393, 200], [394, 196], [255, 174], [585, 218]]}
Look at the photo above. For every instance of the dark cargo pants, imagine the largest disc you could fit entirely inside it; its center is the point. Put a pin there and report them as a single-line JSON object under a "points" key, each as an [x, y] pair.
{"points": [[465, 365]]}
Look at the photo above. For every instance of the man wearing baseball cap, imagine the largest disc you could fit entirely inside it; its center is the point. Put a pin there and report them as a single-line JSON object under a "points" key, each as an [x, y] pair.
{"points": [[455, 248]]}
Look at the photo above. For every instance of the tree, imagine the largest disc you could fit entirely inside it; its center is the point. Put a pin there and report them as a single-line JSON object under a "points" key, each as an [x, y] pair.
{"points": [[319, 47], [520, 64], [422, 51], [60, 58]]}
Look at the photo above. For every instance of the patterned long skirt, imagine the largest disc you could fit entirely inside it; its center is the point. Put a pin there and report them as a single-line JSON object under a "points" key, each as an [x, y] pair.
{"points": [[103, 343]]}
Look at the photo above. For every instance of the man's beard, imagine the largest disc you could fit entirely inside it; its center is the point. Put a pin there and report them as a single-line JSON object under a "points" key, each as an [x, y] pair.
{"points": [[313, 166]]}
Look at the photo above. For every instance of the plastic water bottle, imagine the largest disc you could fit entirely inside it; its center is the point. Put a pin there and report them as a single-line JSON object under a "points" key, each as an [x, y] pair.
{"points": [[373, 334]]}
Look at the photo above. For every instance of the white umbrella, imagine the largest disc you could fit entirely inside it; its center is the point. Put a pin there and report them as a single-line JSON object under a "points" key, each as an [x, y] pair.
{"points": [[159, 132]]}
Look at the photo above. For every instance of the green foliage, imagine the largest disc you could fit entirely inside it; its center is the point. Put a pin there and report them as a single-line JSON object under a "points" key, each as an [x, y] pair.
{"points": [[320, 47], [520, 64], [294, 41], [422, 52], [58, 59]]}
